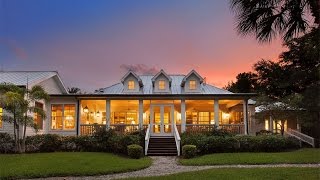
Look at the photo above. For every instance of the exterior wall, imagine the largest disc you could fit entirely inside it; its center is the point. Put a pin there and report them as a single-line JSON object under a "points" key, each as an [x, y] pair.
{"points": [[61, 100], [187, 84], [136, 84], [51, 86], [7, 128], [156, 84]]}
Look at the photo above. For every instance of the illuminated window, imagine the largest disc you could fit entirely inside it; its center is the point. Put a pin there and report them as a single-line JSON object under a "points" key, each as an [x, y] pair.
{"points": [[192, 85], [204, 117], [37, 117], [131, 85], [1, 111], [162, 84], [63, 116]]}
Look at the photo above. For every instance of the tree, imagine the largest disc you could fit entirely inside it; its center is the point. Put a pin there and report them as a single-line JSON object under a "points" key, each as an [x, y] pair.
{"points": [[18, 104], [246, 82], [74, 90], [268, 18]]}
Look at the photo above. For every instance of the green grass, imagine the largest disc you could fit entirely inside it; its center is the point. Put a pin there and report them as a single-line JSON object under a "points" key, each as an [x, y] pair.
{"points": [[66, 164], [246, 173], [294, 157]]}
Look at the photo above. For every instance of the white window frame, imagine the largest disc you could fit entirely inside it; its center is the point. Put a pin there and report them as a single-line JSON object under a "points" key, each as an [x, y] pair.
{"points": [[75, 120], [193, 87]]}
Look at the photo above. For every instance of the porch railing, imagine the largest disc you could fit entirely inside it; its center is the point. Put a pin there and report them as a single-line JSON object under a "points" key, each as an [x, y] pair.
{"points": [[233, 128], [177, 138], [124, 128], [90, 129], [302, 137], [146, 140]]}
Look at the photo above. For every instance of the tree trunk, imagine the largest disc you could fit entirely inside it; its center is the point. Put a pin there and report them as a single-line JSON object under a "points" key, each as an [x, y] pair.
{"points": [[23, 145]]}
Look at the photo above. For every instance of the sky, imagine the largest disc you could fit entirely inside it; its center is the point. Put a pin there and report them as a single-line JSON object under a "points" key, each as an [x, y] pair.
{"points": [[92, 44]]}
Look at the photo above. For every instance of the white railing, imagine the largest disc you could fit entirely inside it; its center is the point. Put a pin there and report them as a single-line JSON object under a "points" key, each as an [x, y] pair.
{"points": [[177, 138], [146, 140], [302, 137]]}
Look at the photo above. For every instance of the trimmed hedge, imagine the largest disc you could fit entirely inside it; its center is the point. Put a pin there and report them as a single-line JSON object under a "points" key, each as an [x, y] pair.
{"points": [[135, 151], [189, 151], [6, 143], [207, 144]]}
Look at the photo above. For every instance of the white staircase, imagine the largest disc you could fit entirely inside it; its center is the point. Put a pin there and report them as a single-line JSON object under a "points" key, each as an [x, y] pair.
{"points": [[302, 137]]}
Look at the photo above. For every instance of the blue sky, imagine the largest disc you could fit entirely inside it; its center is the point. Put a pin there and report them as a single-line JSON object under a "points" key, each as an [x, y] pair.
{"points": [[92, 43]]}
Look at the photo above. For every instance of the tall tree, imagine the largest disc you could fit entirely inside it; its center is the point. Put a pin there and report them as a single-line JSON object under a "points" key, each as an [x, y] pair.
{"points": [[268, 18], [74, 90], [19, 104], [246, 82]]}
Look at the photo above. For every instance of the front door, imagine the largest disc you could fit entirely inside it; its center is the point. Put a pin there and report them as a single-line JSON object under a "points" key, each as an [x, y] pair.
{"points": [[161, 119]]}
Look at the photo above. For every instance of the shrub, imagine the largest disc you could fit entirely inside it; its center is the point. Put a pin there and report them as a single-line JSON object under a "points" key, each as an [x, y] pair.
{"points": [[6, 143], [119, 143], [189, 151], [43, 143], [135, 151]]}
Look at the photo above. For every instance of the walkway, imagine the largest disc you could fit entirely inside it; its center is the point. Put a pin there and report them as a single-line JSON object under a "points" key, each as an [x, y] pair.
{"points": [[164, 165]]}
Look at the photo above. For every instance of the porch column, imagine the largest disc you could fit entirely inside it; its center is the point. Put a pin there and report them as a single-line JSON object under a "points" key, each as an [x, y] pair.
{"points": [[183, 115], [140, 114], [78, 117], [216, 112], [108, 114], [245, 116], [270, 123]]}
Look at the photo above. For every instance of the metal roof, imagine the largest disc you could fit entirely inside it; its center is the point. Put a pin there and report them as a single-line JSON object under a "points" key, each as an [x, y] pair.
{"points": [[175, 87], [22, 78]]}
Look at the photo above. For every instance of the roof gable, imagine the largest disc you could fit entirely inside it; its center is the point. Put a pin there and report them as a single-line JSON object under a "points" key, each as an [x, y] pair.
{"points": [[134, 75], [192, 72], [161, 72]]}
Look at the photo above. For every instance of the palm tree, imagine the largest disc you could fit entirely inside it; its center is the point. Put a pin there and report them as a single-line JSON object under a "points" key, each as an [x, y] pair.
{"points": [[18, 103], [74, 90], [268, 18]]}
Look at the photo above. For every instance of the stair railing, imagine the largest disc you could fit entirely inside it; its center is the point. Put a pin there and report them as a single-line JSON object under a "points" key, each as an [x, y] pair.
{"points": [[302, 137], [146, 140], [177, 138]]}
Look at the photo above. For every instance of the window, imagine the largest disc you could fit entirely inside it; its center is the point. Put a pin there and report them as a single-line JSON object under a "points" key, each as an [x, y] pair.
{"points": [[63, 116], [125, 118], [131, 85], [204, 117], [1, 111], [192, 85], [37, 117], [162, 84]]}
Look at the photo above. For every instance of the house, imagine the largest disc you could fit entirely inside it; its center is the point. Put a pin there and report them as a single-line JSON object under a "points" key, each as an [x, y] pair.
{"points": [[162, 102], [49, 80]]}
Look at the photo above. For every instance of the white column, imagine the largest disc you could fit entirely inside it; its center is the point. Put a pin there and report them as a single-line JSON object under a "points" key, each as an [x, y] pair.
{"points": [[78, 117], [140, 114], [216, 112], [245, 116], [270, 123], [183, 115], [108, 114]]}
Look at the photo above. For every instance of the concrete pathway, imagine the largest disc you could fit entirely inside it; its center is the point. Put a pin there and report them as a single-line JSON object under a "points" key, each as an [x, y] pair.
{"points": [[164, 165]]}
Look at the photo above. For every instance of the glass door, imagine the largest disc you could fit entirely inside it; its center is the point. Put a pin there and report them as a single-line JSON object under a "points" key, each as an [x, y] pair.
{"points": [[161, 119]]}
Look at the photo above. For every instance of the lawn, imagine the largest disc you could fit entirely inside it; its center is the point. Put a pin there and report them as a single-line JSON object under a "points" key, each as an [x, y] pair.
{"points": [[246, 173], [66, 164], [292, 157]]}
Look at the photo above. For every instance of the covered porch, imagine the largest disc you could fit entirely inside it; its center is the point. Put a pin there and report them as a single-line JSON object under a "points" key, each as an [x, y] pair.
{"points": [[163, 116]]}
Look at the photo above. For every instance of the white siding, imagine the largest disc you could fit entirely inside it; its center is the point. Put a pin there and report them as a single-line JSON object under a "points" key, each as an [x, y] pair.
{"points": [[51, 86], [187, 89], [156, 88], [136, 84]]}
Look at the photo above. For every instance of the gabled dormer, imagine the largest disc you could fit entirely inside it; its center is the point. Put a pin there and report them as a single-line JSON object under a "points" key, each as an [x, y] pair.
{"points": [[191, 82], [131, 82], [161, 82]]}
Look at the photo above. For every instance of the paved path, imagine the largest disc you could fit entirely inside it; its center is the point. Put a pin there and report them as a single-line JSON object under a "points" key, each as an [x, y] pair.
{"points": [[164, 165]]}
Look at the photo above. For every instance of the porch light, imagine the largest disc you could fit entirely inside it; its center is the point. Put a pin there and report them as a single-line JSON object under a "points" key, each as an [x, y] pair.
{"points": [[179, 116], [98, 114], [133, 122], [86, 109], [212, 122], [225, 116]]}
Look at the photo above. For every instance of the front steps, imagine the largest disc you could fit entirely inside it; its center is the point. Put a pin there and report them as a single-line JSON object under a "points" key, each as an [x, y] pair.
{"points": [[162, 146]]}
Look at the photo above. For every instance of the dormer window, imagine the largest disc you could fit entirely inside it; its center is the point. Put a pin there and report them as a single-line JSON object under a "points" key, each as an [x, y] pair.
{"points": [[162, 84], [192, 85], [131, 85]]}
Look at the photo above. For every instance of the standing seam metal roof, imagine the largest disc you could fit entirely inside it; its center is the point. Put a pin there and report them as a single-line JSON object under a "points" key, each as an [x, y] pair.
{"points": [[175, 87]]}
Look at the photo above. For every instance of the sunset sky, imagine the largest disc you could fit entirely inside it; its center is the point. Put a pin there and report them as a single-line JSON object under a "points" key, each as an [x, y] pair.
{"points": [[93, 43]]}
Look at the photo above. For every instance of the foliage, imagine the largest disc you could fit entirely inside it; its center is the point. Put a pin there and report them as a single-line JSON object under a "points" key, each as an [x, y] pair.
{"points": [[246, 82], [301, 156], [135, 151], [119, 143], [43, 143], [74, 90], [61, 164], [6, 143], [189, 151], [207, 144], [267, 19], [18, 103]]}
